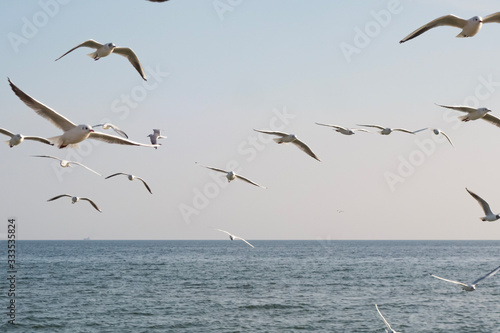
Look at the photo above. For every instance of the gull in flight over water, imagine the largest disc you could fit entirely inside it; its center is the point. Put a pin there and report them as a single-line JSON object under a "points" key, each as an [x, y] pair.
{"points": [[389, 328], [287, 138], [65, 163], [233, 237], [437, 131], [474, 113], [103, 50], [115, 128], [469, 27], [73, 134], [472, 286], [131, 177], [387, 130], [344, 130], [75, 199], [16, 139], [231, 175], [490, 217]]}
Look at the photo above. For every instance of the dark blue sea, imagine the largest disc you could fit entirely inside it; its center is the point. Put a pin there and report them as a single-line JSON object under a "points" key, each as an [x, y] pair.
{"points": [[224, 286]]}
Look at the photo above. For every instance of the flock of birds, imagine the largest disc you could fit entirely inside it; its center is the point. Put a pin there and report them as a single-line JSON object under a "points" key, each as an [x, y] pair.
{"points": [[74, 134]]}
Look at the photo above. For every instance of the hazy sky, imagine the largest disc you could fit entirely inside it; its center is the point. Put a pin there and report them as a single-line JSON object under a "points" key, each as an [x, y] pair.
{"points": [[217, 70]]}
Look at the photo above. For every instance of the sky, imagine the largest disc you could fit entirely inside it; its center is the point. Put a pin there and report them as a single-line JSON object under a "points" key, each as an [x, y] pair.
{"points": [[219, 69]]}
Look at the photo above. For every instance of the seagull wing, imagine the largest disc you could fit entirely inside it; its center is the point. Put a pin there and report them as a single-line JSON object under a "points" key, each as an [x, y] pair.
{"points": [[39, 139], [492, 119], [385, 321], [116, 174], [43, 110], [130, 55], [142, 180], [224, 231], [211, 168], [114, 139], [484, 204], [4, 131], [248, 181], [374, 126], [455, 282], [305, 148], [47, 156], [92, 203], [334, 126], [493, 272], [360, 130], [448, 138], [420, 130], [272, 133], [450, 20], [493, 18], [460, 108], [89, 43], [236, 237], [403, 130], [60, 196], [86, 167]]}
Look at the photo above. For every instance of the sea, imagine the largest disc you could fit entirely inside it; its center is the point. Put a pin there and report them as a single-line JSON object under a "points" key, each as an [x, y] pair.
{"points": [[227, 286]]}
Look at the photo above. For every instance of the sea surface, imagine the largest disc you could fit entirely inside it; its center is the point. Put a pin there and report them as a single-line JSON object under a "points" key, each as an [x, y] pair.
{"points": [[224, 286]]}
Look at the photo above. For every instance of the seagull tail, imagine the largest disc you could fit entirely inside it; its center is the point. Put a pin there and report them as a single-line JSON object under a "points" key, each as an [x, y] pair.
{"points": [[57, 141], [464, 118], [278, 140], [93, 54]]}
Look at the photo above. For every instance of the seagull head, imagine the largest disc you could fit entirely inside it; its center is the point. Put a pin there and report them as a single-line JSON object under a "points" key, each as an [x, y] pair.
{"points": [[436, 131], [74, 199], [484, 110], [111, 45], [86, 128], [477, 19]]}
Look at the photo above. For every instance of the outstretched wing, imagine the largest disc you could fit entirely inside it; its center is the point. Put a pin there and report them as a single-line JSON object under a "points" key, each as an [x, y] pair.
{"points": [[5, 132], [455, 282], [142, 180], [460, 108], [92, 203], [493, 272], [448, 138], [116, 174], [236, 237], [305, 148], [385, 321], [450, 20], [493, 18], [482, 202], [60, 196], [89, 43], [404, 130], [39, 139], [130, 55], [272, 132], [84, 166], [374, 126], [334, 126], [212, 168], [116, 140], [491, 119], [249, 181]]}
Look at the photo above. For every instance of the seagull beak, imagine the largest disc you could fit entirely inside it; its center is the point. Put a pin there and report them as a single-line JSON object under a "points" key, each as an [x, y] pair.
{"points": [[91, 130]]}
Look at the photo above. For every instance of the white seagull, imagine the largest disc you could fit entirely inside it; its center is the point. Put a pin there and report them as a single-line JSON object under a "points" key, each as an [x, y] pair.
{"points": [[76, 199], [73, 133], [231, 175], [389, 328], [16, 139], [287, 138], [155, 137], [103, 50], [472, 286], [65, 163], [344, 130], [387, 130], [474, 113], [490, 217], [469, 27], [437, 131], [131, 177], [233, 237], [113, 127]]}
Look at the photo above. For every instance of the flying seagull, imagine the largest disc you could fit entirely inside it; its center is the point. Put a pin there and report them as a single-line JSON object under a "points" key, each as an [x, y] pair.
{"points": [[131, 177], [233, 237], [155, 137], [287, 138], [231, 175], [437, 131], [474, 113], [472, 286], [389, 328], [16, 139], [469, 27], [76, 199], [73, 133], [387, 130], [344, 130], [490, 217], [103, 50], [65, 163], [113, 127]]}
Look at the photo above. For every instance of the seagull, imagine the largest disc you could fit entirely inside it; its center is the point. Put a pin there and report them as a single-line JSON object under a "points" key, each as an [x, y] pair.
{"points": [[387, 130], [469, 27], [131, 177], [472, 286], [113, 127], [73, 133], [16, 139], [474, 113], [231, 175], [76, 199], [344, 130], [389, 328], [155, 137], [287, 138], [233, 237], [65, 163], [490, 217], [103, 50], [437, 131]]}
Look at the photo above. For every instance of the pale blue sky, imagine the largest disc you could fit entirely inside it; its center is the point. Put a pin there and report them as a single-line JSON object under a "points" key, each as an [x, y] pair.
{"points": [[212, 78]]}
